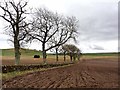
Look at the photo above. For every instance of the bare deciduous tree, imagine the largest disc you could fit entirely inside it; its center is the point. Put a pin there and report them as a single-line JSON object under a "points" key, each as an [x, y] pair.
{"points": [[72, 51], [63, 49], [14, 14], [43, 28], [52, 29], [67, 30]]}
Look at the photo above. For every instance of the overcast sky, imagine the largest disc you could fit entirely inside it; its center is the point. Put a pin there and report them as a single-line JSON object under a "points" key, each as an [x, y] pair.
{"points": [[98, 23]]}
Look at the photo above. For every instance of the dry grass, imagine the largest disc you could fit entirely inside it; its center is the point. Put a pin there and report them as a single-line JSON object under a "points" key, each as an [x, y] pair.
{"points": [[97, 57], [9, 60]]}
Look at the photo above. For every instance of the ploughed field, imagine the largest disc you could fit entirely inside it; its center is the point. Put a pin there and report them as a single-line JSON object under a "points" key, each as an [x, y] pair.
{"points": [[87, 73]]}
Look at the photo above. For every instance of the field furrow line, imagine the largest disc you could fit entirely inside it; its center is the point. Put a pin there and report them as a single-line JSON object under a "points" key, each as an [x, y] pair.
{"points": [[84, 84], [60, 82]]}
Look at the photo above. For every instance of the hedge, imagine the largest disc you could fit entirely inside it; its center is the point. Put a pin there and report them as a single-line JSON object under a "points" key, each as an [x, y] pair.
{"points": [[12, 68]]}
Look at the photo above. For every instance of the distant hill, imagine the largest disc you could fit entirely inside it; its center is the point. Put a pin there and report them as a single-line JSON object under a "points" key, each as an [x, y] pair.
{"points": [[30, 52], [24, 52], [102, 54]]}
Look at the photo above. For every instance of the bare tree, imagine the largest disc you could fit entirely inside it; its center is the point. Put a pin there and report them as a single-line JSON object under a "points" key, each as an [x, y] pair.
{"points": [[72, 51], [63, 49], [67, 29], [48, 27], [14, 14], [55, 50], [43, 28], [79, 53]]}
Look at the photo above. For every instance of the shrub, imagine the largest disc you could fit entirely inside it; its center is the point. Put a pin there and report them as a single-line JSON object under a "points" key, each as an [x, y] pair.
{"points": [[11, 68]]}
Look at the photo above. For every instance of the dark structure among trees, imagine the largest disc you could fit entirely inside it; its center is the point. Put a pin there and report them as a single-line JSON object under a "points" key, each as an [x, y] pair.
{"points": [[36, 56]]}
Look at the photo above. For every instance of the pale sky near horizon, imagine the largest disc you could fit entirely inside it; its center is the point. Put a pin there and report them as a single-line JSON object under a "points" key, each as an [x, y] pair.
{"points": [[98, 23]]}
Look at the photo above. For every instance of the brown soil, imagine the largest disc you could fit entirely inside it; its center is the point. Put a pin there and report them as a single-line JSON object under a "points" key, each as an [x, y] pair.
{"points": [[6, 60], [95, 73]]}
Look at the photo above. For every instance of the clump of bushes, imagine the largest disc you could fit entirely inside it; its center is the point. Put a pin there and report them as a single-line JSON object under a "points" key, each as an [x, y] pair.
{"points": [[11, 68]]}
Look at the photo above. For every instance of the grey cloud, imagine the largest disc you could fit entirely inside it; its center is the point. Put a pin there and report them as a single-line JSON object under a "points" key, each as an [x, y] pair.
{"points": [[96, 47], [96, 21]]}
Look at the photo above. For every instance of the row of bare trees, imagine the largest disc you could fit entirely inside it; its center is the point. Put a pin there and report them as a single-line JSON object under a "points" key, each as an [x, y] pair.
{"points": [[71, 50], [51, 29], [68, 49]]}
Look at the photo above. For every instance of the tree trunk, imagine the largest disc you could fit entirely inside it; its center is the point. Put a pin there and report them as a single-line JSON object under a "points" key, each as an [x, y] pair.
{"points": [[74, 57], [56, 54], [71, 57], [78, 57], [64, 57], [17, 51], [44, 53]]}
